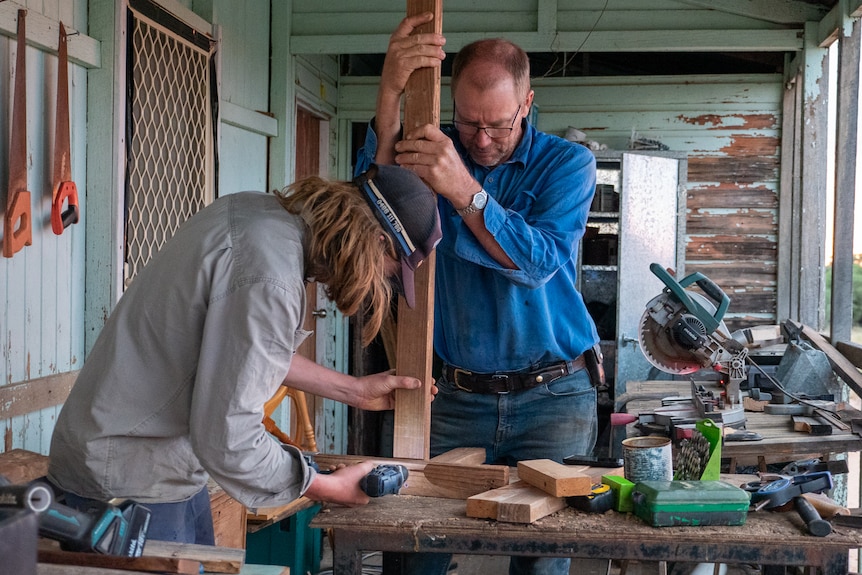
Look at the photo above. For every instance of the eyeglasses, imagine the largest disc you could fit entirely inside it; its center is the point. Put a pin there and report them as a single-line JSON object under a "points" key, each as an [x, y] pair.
{"points": [[493, 132]]}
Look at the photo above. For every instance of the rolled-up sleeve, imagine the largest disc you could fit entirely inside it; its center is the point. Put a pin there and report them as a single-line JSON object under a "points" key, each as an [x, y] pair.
{"points": [[248, 342]]}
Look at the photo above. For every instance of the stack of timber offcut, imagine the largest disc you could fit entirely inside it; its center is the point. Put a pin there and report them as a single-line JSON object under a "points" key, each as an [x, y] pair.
{"points": [[541, 490]]}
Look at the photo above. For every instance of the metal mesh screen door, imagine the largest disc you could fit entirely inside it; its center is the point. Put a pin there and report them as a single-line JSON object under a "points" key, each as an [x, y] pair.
{"points": [[170, 149]]}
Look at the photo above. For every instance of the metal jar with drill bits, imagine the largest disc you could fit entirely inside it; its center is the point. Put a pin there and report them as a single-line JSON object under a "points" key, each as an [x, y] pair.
{"points": [[648, 458]]}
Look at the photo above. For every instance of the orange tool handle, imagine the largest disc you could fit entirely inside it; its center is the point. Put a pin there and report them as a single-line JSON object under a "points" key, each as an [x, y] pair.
{"points": [[62, 219]]}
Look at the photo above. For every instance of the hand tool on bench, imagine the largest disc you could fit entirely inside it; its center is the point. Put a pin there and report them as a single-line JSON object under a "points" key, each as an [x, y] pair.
{"points": [[777, 493], [65, 190], [17, 228]]}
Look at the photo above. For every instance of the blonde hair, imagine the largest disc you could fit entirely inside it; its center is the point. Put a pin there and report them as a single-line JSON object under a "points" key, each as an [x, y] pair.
{"points": [[346, 248]]}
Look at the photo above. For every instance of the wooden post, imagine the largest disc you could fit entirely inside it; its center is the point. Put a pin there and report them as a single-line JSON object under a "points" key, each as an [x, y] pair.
{"points": [[415, 326]]}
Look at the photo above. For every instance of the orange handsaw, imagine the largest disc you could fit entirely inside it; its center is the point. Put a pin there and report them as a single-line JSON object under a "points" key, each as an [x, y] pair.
{"points": [[17, 231], [64, 188]]}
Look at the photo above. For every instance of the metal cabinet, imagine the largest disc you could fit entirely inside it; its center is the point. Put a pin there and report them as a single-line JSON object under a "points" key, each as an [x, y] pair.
{"points": [[637, 217]]}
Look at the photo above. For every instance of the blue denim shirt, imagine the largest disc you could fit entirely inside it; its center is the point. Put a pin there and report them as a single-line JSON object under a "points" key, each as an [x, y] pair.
{"points": [[488, 318]]}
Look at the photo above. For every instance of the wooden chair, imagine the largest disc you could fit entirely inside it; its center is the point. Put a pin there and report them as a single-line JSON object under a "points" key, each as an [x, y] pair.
{"points": [[304, 431]]}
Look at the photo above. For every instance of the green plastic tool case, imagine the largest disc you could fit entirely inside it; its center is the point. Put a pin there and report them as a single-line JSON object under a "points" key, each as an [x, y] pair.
{"points": [[670, 503]]}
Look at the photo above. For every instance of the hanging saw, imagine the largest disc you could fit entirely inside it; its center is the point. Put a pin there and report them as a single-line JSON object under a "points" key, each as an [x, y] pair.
{"points": [[682, 332], [17, 230], [65, 190]]}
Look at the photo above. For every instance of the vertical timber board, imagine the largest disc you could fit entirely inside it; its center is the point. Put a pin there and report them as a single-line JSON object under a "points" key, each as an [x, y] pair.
{"points": [[814, 145], [845, 185], [411, 435]]}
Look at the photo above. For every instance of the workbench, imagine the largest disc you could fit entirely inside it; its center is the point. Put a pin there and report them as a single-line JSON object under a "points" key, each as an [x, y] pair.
{"points": [[429, 524], [780, 442]]}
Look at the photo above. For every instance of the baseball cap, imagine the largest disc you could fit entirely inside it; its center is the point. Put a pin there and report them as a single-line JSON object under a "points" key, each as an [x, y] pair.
{"points": [[407, 209]]}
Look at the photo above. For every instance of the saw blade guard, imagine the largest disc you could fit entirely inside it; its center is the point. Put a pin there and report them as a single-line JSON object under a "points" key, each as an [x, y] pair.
{"points": [[710, 319], [677, 329], [657, 340]]}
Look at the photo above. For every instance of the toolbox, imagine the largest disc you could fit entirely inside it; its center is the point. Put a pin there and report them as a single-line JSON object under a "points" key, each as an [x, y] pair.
{"points": [[670, 503]]}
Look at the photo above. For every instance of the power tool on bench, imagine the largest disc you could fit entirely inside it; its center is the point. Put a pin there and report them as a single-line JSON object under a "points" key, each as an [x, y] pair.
{"points": [[385, 479], [101, 528], [682, 332]]}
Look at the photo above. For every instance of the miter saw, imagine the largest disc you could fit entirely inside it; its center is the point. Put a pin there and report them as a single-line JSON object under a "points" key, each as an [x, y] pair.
{"points": [[682, 332]]}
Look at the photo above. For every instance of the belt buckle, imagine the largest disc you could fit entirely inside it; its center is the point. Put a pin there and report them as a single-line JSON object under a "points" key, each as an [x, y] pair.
{"points": [[455, 372], [504, 378]]}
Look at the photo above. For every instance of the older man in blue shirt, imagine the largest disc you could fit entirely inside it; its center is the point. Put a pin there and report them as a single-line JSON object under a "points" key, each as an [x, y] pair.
{"points": [[510, 326]]}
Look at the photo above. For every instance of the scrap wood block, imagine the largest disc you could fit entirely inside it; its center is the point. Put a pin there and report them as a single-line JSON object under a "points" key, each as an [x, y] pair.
{"points": [[431, 478], [462, 455], [515, 503], [139, 564], [213, 559], [561, 480], [22, 466], [812, 425], [229, 517]]}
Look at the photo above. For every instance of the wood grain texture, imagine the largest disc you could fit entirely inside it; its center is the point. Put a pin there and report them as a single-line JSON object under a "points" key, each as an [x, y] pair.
{"points": [[35, 394], [141, 564], [213, 559], [433, 478], [411, 435], [22, 466], [555, 478], [519, 502]]}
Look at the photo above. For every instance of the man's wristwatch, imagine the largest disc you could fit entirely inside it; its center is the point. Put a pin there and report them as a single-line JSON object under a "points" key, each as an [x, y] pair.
{"points": [[480, 198]]}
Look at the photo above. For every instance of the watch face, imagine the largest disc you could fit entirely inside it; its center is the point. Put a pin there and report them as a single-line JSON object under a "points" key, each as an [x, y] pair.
{"points": [[480, 199]]}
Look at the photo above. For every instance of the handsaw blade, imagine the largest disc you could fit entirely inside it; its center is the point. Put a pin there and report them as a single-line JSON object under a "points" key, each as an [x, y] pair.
{"points": [[65, 191], [62, 139], [17, 228]]}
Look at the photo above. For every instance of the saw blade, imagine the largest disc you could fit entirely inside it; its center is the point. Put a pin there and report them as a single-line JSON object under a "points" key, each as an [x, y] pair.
{"points": [[657, 343]]}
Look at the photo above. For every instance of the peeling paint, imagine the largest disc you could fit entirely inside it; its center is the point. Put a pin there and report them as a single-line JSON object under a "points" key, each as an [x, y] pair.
{"points": [[724, 121]]}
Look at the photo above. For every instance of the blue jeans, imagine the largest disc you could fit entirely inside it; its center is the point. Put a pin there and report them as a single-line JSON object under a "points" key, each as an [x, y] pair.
{"points": [[546, 422], [189, 521]]}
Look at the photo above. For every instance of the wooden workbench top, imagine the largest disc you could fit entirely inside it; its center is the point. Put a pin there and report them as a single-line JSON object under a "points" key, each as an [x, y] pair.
{"points": [[432, 515]]}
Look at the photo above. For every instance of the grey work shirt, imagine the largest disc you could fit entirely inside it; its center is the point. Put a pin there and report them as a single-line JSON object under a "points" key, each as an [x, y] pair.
{"points": [[174, 388]]}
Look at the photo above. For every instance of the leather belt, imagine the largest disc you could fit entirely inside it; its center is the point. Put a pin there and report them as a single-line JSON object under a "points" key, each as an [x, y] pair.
{"points": [[508, 381]]}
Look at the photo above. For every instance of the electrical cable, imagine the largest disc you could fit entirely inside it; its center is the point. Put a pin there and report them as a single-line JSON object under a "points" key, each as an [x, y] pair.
{"points": [[567, 60]]}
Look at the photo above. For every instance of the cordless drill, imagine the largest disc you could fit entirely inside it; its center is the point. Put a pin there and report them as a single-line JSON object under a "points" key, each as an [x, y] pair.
{"points": [[100, 528], [384, 480]]}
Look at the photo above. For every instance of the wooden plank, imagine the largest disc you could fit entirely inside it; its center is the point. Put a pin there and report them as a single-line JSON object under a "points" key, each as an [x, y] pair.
{"points": [[847, 136], [852, 351], [846, 370], [463, 456], [519, 502], [411, 435], [449, 480], [229, 518], [52, 569], [811, 425], [257, 519], [32, 395], [555, 478], [22, 466], [213, 559], [144, 564], [44, 33]]}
